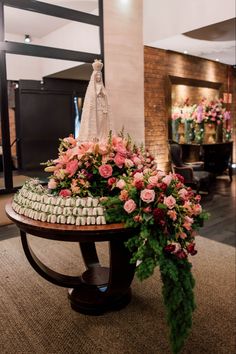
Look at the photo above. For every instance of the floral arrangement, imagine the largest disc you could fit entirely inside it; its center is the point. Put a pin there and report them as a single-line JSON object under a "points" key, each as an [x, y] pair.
{"points": [[206, 111], [213, 111], [183, 111], [165, 214]]}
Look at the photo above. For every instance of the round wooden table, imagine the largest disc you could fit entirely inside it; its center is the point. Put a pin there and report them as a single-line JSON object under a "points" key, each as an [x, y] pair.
{"points": [[99, 289]]}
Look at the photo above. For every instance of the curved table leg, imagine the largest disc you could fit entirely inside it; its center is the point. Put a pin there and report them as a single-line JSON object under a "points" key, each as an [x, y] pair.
{"points": [[99, 289], [47, 273]]}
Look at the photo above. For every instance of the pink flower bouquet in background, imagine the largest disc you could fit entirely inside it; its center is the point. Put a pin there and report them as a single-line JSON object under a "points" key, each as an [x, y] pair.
{"points": [[164, 212]]}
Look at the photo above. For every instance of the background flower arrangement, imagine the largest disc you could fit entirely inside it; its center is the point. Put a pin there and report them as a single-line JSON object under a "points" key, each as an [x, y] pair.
{"points": [[212, 113], [164, 212]]}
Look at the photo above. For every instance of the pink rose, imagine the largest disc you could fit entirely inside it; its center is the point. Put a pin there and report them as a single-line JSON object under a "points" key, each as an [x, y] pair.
{"points": [[52, 184], [167, 179], [183, 193], [119, 160], [153, 180], [138, 176], [147, 195], [71, 167], [105, 171], [169, 202], [197, 209], [65, 193], [120, 184], [129, 206]]}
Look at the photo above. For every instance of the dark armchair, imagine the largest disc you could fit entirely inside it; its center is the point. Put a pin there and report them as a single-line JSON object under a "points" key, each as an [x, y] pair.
{"points": [[193, 173]]}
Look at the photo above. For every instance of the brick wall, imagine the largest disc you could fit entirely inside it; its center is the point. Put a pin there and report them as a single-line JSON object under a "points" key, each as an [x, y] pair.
{"points": [[158, 64]]}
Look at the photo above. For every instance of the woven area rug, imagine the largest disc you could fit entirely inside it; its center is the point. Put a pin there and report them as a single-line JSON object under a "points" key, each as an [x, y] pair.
{"points": [[35, 316]]}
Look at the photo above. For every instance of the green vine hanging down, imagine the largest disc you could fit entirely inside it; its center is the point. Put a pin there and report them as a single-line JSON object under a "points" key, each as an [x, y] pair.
{"points": [[165, 213]]}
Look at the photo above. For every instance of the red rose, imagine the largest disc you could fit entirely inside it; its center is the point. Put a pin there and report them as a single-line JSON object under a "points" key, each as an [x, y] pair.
{"points": [[111, 181], [181, 254], [180, 178], [139, 185], [169, 248], [191, 249], [158, 215]]}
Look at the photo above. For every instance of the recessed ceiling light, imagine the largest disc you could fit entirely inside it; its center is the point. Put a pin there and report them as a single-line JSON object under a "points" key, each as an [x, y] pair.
{"points": [[185, 52], [27, 38], [217, 59]]}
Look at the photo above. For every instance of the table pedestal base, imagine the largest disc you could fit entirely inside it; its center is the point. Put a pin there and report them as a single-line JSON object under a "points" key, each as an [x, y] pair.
{"points": [[93, 302]]}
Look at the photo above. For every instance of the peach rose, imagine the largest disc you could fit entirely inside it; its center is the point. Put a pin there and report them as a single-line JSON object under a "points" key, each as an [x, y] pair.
{"points": [[147, 195], [129, 206], [172, 214], [169, 201], [124, 195], [105, 171]]}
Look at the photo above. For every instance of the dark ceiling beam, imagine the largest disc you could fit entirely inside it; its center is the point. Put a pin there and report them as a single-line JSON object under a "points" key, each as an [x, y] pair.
{"points": [[47, 52], [54, 10]]}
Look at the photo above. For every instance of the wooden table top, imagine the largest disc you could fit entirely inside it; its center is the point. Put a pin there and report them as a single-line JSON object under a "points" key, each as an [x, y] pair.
{"points": [[64, 232]]}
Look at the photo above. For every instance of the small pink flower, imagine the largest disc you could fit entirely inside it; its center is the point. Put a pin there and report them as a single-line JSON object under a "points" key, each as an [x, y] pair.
{"points": [[147, 195], [138, 218], [52, 183], [130, 206], [169, 202], [65, 193], [120, 184], [105, 171]]}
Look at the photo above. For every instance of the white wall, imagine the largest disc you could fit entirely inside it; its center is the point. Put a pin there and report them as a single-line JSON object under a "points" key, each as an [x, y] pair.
{"points": [[74, 36], [124, 65], [165, 18]]}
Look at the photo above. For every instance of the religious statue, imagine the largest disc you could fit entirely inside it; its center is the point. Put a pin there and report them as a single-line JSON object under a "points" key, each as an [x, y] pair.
{"points": [[95, 120]]}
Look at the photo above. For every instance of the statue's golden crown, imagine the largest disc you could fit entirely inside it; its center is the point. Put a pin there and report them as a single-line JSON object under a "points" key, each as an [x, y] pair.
{"points": [[97, 65]]}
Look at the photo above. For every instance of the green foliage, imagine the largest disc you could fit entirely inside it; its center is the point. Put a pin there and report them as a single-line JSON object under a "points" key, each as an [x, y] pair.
{"points": [[178, 284]]}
